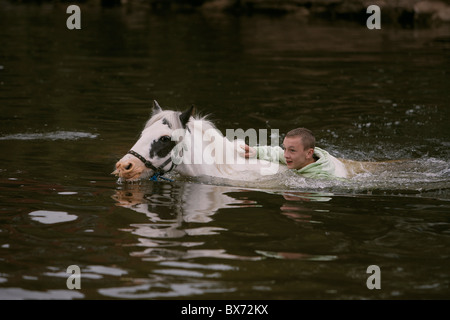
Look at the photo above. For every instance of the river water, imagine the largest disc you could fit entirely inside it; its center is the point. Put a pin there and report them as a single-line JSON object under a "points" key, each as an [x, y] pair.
{"points": [[74, 101]]}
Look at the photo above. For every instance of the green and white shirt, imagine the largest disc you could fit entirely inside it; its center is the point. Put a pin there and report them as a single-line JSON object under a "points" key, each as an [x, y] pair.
{"points": [[326, 167]]}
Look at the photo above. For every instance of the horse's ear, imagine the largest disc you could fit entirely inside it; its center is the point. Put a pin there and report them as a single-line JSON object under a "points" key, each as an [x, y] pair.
{"points": [[156, 108], [184, 117]]}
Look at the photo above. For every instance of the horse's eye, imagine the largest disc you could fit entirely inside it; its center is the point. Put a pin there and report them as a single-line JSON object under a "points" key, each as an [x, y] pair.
{"points": [[165, 139]]}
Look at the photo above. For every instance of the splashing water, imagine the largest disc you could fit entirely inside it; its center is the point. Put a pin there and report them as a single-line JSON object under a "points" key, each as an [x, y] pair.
{"points": [[428, 177]]}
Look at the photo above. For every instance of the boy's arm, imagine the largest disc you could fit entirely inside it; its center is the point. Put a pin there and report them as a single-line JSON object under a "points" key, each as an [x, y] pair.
{"points": [[272, 154]]}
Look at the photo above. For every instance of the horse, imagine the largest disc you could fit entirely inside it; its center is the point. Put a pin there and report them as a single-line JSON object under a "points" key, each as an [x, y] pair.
{"points": [[191, 146]]}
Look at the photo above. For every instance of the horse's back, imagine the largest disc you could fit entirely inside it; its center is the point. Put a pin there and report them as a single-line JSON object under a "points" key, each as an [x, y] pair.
{"points": [[354, 167]]}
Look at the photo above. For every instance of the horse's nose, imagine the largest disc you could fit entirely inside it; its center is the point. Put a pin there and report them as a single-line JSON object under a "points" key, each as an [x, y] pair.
{"points": [[123, 167], [127, 166]]}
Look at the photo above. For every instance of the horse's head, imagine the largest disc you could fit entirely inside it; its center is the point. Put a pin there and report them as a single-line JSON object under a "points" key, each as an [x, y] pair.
{"points": [[152, 153]]}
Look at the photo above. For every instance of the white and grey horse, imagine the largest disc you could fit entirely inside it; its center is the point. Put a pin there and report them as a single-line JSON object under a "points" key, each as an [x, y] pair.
{"points": [[191, 146]]}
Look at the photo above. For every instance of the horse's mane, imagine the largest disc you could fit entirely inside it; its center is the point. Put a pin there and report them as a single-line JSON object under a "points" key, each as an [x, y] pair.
{"points": [[173, 117]]}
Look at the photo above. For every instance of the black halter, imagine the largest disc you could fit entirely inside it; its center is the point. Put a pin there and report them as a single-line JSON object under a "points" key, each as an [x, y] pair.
{"points": [[159, 172]]}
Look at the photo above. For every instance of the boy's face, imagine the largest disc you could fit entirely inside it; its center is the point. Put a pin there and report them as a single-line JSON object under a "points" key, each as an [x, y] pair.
{"points": [[295, 154]]}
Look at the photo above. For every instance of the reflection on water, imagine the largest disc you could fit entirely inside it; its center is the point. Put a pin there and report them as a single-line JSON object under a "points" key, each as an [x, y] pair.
{"points": [[22, 294], [185, 202], [207, 261], [179, 221], [168, 239], [177, 206], [158, 287], [50, 217]]}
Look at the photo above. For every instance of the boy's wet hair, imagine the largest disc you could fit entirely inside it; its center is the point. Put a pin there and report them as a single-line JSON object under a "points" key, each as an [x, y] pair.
{"points": [[308, 139]]}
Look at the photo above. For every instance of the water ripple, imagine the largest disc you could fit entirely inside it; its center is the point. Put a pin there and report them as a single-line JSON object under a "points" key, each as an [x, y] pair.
{"points": [[57, 135]]}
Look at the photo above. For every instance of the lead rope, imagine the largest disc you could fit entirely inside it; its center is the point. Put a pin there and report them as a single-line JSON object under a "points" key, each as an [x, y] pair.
{"points": [[157, 176]]}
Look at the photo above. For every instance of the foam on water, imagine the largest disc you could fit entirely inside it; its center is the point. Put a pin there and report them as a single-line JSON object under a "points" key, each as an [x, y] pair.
{"points": [[422, 177], [425, 176], [56, 135]]}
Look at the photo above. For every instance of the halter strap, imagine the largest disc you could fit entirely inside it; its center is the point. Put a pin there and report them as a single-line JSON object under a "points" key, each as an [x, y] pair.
{"points": [[158, 172], [147, 163]]}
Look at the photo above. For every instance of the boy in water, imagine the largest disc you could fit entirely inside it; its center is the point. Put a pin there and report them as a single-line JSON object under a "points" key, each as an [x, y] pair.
{"points": [[300, 154]]}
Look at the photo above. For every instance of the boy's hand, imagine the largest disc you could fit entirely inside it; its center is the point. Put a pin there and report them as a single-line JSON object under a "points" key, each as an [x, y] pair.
{"points": [[249, 152]]}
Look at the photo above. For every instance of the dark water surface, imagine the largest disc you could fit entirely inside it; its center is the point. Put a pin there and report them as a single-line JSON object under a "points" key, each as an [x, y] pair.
{"points": [[73, 102]]}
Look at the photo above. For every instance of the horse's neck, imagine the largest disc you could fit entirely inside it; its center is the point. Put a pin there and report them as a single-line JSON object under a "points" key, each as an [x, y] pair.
{"points": [[204, 150]]}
